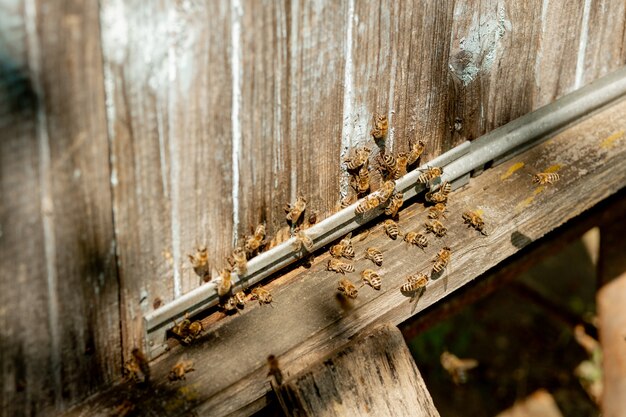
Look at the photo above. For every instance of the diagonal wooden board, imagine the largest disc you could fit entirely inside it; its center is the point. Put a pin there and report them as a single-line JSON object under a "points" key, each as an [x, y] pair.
{"points": [[306, 322]]}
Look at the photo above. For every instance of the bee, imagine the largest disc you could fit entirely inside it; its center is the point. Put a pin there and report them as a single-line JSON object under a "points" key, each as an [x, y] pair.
{"points": [[181, 330], [417, 239], [131, 371], [295, 210], [368, 203], [179, 370], [374, 255], [402, 161], [361, 182], [240, 299], [430, 174], [142, 363], [282, 235], [417, 149], [544, 178], [474, 220], [391, 229], [254, 242], [195, 328], [387, 162], [310, 221], [442, 259], [303, 241], [457, 368], [436, 227], [394, 204], [229, 304], [348, 200], [274, 369], [343, 248], [381, 124], [239, 261], [438, 211], [358, 159], [386, 191], [262, 295], [371, 278], [441, 195], [200, 262], [414, 283], [347, 288], [224, 287], [338, 266]]}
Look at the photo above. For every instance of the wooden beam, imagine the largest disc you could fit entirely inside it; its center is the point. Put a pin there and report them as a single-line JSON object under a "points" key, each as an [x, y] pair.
{"points": [[307, 321], [373, 375]]}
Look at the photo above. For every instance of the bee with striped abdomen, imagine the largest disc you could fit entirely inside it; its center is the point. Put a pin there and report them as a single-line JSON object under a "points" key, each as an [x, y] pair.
{"points": [[436, 227], [413, 284], [442, 259], [475, 221], [295, 210], [381, 125], [417, 149], [374, 255], [438, 211], [347, 288], [391, 229], [254, 242], [386, 191], [343, 248], [371, 278], [361, 182], [338, 266], [544, 178], [429, 174], [417, 239], [359, 158], [395, 202], [368, 203]]}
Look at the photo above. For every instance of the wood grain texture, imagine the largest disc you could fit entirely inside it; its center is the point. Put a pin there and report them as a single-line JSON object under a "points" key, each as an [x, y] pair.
{"points": [[306, 322], [373, 375], [169, 89], [58, 251]]}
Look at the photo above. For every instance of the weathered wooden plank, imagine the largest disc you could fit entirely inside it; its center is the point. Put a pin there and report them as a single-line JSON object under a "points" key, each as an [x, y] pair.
{"points": [[306, 321], [373, 375], [169, 90], [57, 231]]}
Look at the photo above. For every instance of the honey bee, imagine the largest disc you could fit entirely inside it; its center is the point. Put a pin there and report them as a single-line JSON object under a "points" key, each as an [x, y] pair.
{"points": [[474, 220], [544, 178], [347, 288], [228, 303], [195, 328], [436, 227], [200, 262], [358, 159], [417, 149], [142, 363], [361, 182], [441, 195], [310, 221], [338, 266], [414, 283], [438, 211], [274, 369], [303, 241], [442, 259], [224, 287], [254, 242], [395, 203], [391, 229], [181, 330], [371, 278], [387, 162], [262, 295], [132, 372], [239, 261], [457, 368], [179, 370], [348, 200], [386, 191], [281, 236], [430, 174], [417, 239], [374, 255], [240, 299], [295, 210], [343, 248], [402, 160], [381, 124], [368, 203]]}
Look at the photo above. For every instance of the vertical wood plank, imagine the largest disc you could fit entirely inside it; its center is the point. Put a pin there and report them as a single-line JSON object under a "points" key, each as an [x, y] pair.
{"points": [[60, 294], [169, 88]]}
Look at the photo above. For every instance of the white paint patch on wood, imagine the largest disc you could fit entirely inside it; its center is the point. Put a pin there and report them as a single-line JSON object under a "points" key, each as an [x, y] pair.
{"points": [[582, 45], [47, 203], [293, 100], [389, 142], [476, 52], [347, 130], [237, 75]]}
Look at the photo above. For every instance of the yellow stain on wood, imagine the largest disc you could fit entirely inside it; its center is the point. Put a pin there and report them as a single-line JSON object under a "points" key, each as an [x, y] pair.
{"points": [[610, 141], [528, 201], [553, 168], [516, 166]]}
